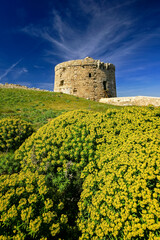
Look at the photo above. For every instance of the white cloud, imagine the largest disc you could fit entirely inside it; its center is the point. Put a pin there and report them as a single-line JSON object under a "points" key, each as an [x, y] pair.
{"points": [[108, 33], [46, 85], [18, 72], [152, 91], [38, 67], [103, 29], [7, 71]]}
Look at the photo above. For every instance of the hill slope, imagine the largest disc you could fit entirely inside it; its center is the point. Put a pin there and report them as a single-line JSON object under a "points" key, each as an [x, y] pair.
{"points": [[38, 107]]}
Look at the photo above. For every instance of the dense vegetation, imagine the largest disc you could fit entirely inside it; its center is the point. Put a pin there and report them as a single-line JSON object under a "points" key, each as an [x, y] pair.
{"points": [[13, 133], [121, 190], [86, 175]]}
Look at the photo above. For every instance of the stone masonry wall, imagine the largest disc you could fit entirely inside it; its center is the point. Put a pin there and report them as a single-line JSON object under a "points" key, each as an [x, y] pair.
{"points": [[131, 101], [11, 85], [87, 78]]}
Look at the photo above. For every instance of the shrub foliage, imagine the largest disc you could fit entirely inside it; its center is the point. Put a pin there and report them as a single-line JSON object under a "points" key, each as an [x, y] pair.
{"points": [[121, 194], [13, 132], [106, 163], [27, 207], [8, 165]]}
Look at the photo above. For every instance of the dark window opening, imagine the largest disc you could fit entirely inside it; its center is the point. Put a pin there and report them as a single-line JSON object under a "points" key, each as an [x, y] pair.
{"points": [[104, 85], [62, 83], [74, 90], [89, 74]]}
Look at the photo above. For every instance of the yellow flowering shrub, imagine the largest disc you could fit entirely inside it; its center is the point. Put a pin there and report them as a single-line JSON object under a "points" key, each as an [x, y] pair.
{"points": [[121, 193], [59, 151], [27, 211], [13, 133], [107, 153]]}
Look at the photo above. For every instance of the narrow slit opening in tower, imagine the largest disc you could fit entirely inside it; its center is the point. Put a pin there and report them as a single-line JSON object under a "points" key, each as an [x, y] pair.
{"points": [[89, 74], [61, 83], [104, 85]]}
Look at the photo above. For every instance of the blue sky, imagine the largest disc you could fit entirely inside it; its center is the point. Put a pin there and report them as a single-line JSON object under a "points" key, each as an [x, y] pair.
{"points": [[36, 35]]}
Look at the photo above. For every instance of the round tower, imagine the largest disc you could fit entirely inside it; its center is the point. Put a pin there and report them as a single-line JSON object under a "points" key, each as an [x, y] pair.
{"points": [[87, 78]]}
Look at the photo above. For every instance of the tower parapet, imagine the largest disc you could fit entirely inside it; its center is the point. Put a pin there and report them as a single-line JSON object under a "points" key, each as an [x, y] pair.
{"points": [[88, 78]]}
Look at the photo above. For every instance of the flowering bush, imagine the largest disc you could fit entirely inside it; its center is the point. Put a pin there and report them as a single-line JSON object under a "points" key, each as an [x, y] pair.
{"points": [[121, 194], [13, 132], [59, 151], [79, 147], [26, 209]]}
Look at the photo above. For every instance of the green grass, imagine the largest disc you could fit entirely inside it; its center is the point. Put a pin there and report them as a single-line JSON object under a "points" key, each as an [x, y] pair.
{"points": [[38, 107]]}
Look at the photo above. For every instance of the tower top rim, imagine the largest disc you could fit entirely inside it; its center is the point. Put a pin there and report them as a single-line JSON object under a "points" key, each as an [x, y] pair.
{"points": [[84, 62]]}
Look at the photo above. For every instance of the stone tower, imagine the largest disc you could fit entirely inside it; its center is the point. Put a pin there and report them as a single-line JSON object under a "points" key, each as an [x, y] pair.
{"points": [[87, 78]]}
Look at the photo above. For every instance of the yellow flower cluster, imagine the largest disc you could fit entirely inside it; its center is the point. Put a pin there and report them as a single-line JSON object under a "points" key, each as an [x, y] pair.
{"points": [[23, 208], [121, 196], [13, 132], [115, 155]]}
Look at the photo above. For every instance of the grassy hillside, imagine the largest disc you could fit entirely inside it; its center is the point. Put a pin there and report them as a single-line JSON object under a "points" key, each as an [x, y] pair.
{"points": [[38, 107]]}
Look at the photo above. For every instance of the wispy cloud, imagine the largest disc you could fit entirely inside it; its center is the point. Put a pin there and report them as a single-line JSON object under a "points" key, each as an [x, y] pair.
{"points": [[38, 67], [108, 33], [139, 91], [18, 72], [103, 28], [7, 71], [46, 85]]}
